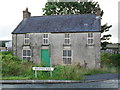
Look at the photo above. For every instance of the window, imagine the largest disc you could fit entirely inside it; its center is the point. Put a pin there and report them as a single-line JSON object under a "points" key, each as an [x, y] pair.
{"points": [[67, 56], [27, 55], [90, 39], [90, 35], [27, 39], [45, 39], [67, 38]]}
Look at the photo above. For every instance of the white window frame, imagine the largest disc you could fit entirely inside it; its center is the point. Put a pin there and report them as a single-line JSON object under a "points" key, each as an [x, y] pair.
{"points": [[26, 56], [67, 57], [45, 39], [27, 38], [90, 38], [67, 39]]}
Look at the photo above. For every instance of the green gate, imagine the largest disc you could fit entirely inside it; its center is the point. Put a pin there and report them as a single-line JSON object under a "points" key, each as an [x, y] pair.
{"points": [[45, 57]]}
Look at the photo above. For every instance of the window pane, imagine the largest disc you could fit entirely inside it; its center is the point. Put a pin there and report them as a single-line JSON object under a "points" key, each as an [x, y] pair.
{"points": [[24, 58], [67, 35], [28, 53], [90, 34], [65, 41], [64, 59], [28, 58], [68, 41], [27, 35], [67, 38], [44, 35], [43, 41], [64, 53], [69, 52], [46, 41], [26, 41], [69, 60], [91, 40], [24, 52]]}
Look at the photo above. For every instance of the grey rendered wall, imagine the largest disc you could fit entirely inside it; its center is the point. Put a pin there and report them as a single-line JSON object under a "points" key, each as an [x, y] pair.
{"points": [[80, 50], [17, 44]]}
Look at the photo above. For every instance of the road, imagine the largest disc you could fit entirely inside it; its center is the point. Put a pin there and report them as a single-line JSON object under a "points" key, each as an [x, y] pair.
{"points": [[101, 84]]}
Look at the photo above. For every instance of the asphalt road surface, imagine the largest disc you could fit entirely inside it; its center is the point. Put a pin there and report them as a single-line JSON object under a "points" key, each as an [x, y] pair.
{"points": [[101, 84]]}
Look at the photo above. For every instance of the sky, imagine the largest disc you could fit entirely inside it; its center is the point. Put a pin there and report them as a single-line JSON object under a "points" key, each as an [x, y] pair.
{"points": [[12, 15]]}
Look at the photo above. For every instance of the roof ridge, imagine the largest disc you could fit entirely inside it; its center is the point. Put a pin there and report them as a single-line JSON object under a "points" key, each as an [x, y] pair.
{"points": [[64, 15]]}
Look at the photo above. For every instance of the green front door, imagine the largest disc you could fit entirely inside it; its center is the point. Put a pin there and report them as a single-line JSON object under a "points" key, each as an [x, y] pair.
{"points": [[45, 57]]}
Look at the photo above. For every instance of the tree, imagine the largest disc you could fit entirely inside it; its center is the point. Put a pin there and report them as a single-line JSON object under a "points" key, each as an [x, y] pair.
{"points": [[77, 7]]}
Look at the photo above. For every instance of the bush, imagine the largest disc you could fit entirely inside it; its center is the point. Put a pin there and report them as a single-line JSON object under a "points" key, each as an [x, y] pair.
{"points": [[110, 59], [115, 59], [11, 65], [6, 52]]}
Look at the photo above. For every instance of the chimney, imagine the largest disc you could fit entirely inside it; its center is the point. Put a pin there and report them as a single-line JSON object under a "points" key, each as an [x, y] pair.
{"points": [[98, 11], [26, 14]]}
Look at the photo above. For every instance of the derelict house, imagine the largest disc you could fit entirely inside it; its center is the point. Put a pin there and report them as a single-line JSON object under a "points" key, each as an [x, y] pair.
{"points": [[58, 39]]}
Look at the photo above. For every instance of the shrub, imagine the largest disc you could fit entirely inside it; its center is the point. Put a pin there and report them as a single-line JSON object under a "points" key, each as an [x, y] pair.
{"points": [[13, 66], [6, 52], [115, 59], [110, 59], [10, 65]]}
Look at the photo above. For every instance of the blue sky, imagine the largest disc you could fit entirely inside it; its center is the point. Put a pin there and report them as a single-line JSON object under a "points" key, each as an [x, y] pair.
{"points": [[11, 15]]}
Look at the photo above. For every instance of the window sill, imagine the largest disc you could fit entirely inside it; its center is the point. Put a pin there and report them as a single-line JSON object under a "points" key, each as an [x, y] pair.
{"points": [[67, 64], [90, 44], [66, 44], [26, 45], [45, 44]]}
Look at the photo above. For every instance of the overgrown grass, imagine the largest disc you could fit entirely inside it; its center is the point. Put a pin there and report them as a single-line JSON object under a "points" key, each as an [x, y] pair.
{"points": [[105, 69], [15, 69]]}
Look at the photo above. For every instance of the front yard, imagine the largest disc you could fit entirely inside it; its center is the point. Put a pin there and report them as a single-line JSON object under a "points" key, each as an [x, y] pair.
{"points": [[15, 69]]}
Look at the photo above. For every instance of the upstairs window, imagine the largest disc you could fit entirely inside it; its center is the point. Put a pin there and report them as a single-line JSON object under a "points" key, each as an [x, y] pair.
{"points": [[27, 54], [67, 38], [67, 56], [27, 39], [90, 35], [45, 39], [90, 39]]}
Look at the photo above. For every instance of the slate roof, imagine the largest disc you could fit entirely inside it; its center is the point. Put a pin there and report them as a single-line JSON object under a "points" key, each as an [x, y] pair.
{"points": [[59, 23]]}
